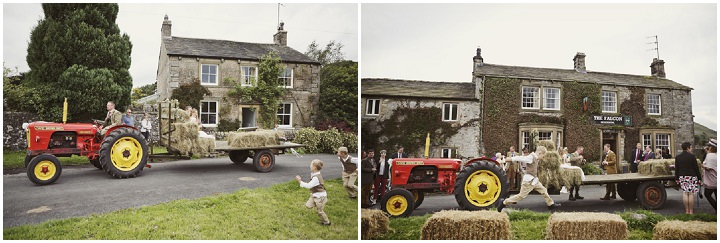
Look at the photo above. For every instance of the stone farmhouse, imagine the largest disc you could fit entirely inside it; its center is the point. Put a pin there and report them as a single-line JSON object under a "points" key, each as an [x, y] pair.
{"points": [[217, 64], [572, 107]]}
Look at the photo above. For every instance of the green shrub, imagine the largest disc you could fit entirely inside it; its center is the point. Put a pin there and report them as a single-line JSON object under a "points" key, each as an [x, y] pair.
{"points": [[228, 125], [310, 138], [325, 141], [591, 169], [646, 224]]}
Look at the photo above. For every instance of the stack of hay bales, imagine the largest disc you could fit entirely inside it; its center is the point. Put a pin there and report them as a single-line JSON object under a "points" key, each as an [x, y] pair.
{"points": [[204, 145], [549, 167], [464, 225], [690, 230], [183, 137], [656, 167], [254, 139], [177, 115], [571, 176], [586, 226], [373, 223]]}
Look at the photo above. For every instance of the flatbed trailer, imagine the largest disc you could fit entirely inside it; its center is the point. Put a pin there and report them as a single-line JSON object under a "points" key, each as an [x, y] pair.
{"points": [[648, 189], [263, 157]]}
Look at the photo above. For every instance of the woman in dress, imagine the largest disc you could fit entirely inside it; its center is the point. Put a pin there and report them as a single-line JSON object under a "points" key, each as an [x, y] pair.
{"points": [[687, 175]]}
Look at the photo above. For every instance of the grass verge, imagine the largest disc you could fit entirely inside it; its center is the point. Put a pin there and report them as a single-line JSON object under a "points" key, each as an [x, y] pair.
{"points": [[277, 212], [529, 225], [16, 159]]}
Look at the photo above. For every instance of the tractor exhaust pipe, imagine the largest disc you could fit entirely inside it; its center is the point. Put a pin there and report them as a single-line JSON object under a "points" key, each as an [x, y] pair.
{"points": [[427, 146], [65, 105]]}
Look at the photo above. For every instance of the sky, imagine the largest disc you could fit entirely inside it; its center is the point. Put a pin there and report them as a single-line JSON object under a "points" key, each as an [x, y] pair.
{"points": [[437, 42], [254, 23]]}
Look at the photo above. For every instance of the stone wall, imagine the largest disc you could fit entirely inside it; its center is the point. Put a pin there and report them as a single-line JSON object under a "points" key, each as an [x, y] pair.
{"points": [[14, 136]]}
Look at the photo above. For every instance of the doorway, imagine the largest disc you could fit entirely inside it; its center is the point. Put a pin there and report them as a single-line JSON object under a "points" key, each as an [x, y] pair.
{"points": [[248, 117], [609, 138]]}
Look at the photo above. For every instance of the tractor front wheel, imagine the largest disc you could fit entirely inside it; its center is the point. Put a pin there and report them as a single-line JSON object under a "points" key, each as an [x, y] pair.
{"points": [[124, 153], [419, 197], [398, 203], [44, 169], [239, 156], [479, 185]]}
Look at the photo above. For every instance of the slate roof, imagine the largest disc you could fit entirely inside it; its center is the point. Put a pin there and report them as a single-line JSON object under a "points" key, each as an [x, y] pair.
{"points": [[232, 50], [572, 75], [417, 89]]}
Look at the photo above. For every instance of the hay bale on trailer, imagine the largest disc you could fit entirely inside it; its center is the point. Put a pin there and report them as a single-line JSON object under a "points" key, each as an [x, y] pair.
{"points": [[586, 226], [464, 225], [177, 115], [549, 169], [548, 144], [680, 230], [254, 139], [373, 223], [656, 167], [183, 137], [571, 176]]}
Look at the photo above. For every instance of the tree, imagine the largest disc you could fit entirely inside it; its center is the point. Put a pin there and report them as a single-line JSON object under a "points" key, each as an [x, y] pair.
{"points": [[330, 54], [190, 94], [143, 91], [16, 95], [265, 90], [77, 52], [338, 94]]}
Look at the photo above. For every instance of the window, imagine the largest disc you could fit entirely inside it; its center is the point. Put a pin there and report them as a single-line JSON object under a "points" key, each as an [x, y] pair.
{"points": [[653, 105], [525, 141], [544, 136], [646, 141], [657, 139], [662, 141], [609, 102], [550, 132], [209, 74], [208, 112], [530, 98], [551, 99], [448, 153], [450, 112], [248, 76], [373, 107], [284, 115], [285, 79]]}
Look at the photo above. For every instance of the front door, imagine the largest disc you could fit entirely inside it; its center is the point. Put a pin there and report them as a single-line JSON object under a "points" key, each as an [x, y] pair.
{"points": [[248, 117]]}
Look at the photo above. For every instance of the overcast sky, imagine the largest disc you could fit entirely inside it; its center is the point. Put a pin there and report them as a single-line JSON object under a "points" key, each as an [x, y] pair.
{"points": [[436, 42], [236, 22]]}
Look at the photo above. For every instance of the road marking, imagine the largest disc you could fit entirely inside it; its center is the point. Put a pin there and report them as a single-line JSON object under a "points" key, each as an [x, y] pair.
{"points": [[247, 178], [39, 210]]}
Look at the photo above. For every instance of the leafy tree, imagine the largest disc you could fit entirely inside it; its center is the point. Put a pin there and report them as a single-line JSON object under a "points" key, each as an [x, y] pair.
{"points": [[143, 91], [16, 95], [264, 91], [338, 93], [330, 54], [78, 52], [190, 94]]}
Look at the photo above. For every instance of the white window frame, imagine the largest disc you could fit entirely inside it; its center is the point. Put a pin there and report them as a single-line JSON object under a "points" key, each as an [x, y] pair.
{"points": [[651, 137], [545, 98], [666, 141], [288, 113], [453, 116], [372, 109], [659, 104], [614, 102], [215, 75], [524, 140], [451, 153], [203, 112], [244, 75], [647, 140], [535, 98], [284, 78]]}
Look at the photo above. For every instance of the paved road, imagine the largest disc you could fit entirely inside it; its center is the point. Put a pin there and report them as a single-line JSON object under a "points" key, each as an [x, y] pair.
{"points": [[591, 203], [85, 191]]}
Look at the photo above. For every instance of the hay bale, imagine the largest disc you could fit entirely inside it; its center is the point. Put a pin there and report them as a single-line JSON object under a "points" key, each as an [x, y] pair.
{"points": [[182, 138], [548, 144], [681, 230], [373, 223], [549, 169], [571, 176], [177, 115], [259, 138], [464, 225], [204, 146], [656, 167], [586, 226]]}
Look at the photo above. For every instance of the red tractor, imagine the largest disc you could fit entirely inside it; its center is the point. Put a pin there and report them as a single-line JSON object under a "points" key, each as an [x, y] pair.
{"points": [[121, 151], [476, 186]]}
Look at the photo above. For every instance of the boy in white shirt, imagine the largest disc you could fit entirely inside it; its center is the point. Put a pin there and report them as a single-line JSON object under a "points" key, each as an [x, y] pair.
{"points": [[318, 195], [530, 181]]}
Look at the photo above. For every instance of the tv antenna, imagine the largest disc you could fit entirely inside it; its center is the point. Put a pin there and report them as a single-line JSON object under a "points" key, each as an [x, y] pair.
{"points": [[279, 4], [657, 47]]}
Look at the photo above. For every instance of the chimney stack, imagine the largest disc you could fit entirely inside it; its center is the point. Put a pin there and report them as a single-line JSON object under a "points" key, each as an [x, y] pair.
{"points": [[579, 61], [166, 29], [280, 38], [477, 59], [657, 68]]}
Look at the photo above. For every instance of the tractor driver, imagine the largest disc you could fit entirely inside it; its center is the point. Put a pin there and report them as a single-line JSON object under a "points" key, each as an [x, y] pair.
{"points": [[113, 118]]}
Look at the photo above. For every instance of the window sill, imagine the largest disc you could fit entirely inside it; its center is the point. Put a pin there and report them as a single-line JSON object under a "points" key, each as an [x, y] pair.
{"points": [[209, 125]]}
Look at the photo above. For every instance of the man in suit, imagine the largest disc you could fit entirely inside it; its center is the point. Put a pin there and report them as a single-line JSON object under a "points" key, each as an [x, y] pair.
{"points": [[636, 157], [648, 154], [610, 168], [399, 153], [382, 173], [366, 178]]}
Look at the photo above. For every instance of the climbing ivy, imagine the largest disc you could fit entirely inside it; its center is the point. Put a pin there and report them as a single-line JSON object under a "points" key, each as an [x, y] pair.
{"points": [[265, 90], [579, 130]]}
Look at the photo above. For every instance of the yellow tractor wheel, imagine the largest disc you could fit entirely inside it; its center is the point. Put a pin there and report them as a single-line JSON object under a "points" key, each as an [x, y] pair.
{"points": [[398, 203], [44, 169], [479, 185], [124, 153]]}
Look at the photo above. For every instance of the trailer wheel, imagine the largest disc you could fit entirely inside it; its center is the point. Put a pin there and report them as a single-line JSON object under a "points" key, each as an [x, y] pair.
{"points": [[124, 153], [44, 169], [479, 185], [419, 197], [652, 195], [264, 161], [627, 190], [398, 203], [239, 156]]}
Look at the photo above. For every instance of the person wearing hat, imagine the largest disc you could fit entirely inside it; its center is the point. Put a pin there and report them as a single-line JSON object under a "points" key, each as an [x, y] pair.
{"points": [[687, 175], [382, 170], [710, 172], [349, 173]]}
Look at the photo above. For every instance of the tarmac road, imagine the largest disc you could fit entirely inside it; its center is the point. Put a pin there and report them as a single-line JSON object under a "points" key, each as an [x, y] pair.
{"points": [[591, 203], [87, 190]]}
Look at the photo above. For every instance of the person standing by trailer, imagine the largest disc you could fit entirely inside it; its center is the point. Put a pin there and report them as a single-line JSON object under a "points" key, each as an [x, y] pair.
{"points": [[710, 172], [687, 175]]}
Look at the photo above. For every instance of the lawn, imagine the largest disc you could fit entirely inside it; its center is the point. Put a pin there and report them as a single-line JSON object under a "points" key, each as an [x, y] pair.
{"points": [[277, 212], [529, 225], [16, 159]]}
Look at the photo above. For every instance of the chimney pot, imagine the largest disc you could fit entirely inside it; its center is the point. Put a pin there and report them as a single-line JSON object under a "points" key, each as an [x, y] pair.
{"points": [[478, 58], [166, 30], [579, 62], [657, 68], [280, 38]]}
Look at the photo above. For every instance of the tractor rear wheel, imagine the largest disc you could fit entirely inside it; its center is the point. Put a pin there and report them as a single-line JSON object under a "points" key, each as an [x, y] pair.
{"points": [[398, 203], [239, 156], [264, 161], [27, 160], [479, 185], [44, 169], [124, 153], [419, 197]]}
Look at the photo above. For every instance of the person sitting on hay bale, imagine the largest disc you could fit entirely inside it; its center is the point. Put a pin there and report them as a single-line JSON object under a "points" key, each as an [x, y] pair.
{"points": [[530, 180], [576, 160]]}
